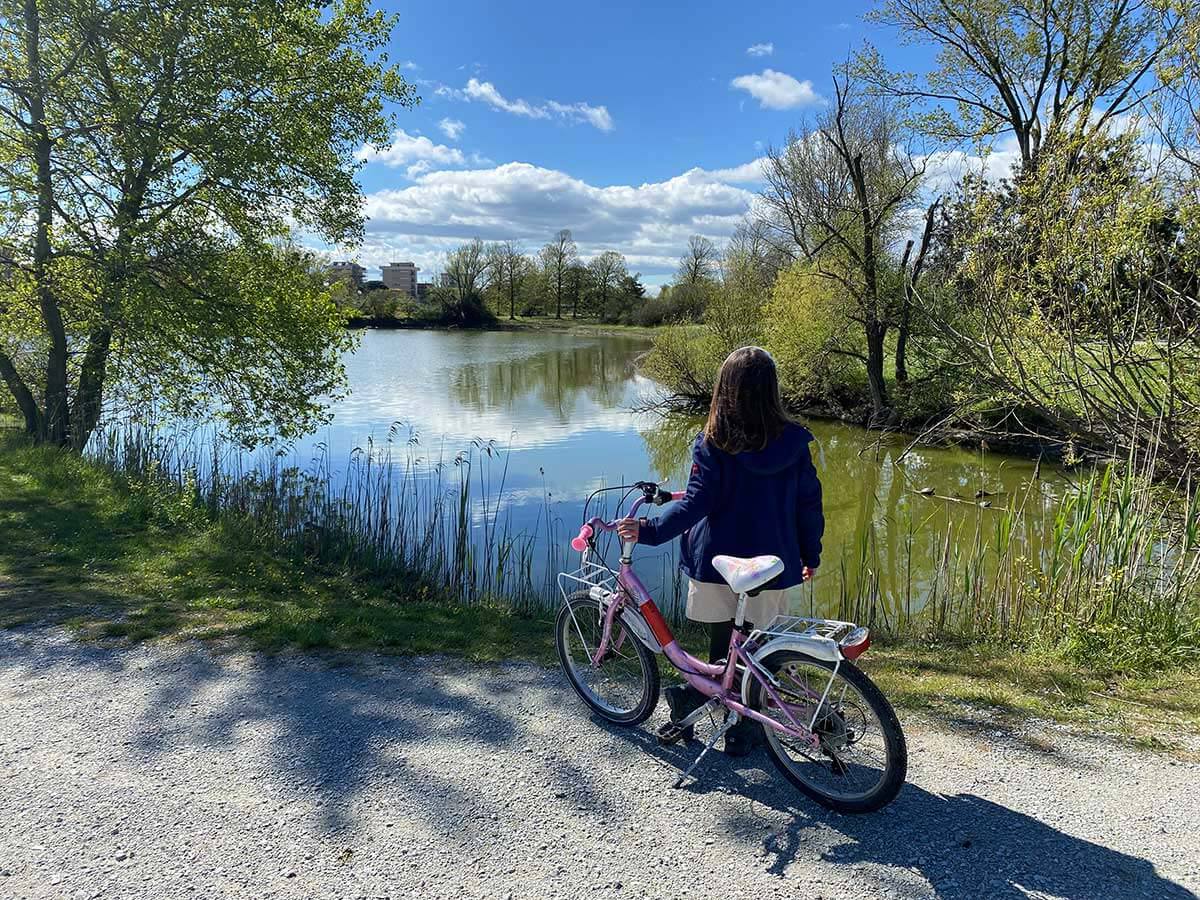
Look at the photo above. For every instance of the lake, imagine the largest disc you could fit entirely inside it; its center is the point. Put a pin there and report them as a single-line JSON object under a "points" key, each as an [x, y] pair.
{"points": [[547, 418]]}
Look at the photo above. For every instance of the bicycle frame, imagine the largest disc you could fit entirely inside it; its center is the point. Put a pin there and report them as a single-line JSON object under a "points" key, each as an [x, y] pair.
{"points": [[716, 681]]}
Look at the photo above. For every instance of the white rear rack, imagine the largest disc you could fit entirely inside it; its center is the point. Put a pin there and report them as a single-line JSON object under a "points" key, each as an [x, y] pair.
{"points": [[782, 626]]}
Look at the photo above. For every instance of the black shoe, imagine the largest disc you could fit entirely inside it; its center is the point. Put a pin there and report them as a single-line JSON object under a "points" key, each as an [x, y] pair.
{"points": [[683, 700], [743, 738]]}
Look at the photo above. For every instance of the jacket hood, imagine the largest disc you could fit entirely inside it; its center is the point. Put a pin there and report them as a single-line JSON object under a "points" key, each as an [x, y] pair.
{"points": [[780, 454]]}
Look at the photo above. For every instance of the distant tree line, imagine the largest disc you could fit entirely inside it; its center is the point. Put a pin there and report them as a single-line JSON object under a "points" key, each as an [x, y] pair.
{"points": [[485, 282]]}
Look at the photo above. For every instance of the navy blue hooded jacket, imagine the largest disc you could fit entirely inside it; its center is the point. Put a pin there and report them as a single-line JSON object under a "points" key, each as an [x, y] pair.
{"points": [[747, 504]]}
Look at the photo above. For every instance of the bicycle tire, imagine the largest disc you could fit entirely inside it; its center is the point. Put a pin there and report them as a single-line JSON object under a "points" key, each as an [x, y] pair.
{"points": [[582, 604], [893, 736]]}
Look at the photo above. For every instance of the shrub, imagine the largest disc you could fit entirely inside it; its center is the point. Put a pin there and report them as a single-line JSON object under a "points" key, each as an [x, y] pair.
{"points": [[807, 328]]}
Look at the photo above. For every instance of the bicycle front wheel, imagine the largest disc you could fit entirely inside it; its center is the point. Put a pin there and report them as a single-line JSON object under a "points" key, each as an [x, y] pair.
{"points": [[860, 763], [623, 688]]}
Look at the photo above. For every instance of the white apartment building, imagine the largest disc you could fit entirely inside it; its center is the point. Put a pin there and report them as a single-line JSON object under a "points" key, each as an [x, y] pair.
{"points": [[401, 276]]}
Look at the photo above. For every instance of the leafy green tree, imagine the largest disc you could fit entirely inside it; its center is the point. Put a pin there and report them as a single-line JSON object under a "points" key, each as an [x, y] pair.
{"points": [[1083, 333], [835, 199], [509, 267], [557, 258], [1041, 71], [607, 271], [469, 267], [156, 157]]}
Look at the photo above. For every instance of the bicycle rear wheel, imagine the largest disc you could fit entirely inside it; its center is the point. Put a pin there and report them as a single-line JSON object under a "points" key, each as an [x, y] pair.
{"points": [[624, 688], [862, 758]]}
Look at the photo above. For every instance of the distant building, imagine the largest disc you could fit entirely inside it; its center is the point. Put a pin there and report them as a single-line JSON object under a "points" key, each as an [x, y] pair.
{"points": [[401, 276], [447, 280], [350, 272], [423, 289]]}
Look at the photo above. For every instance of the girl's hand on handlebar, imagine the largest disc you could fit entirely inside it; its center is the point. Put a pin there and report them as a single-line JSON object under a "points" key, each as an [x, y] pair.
{"points": [[628, 529]]}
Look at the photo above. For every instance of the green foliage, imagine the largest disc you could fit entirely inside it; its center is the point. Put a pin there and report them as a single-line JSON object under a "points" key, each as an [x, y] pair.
{"points": [[1041, 72], [1091, 330], [145, 556], [809, 331], [151, 192]]}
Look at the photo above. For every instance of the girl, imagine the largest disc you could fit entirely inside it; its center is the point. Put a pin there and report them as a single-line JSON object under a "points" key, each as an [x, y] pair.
{"points": [[752, 491]]}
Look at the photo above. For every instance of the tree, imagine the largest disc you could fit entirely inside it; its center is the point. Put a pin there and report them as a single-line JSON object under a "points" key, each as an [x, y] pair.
{"points": [[509, 267], [911, 269], [699, 262], [577, 284], [606, 272], [557, 258], [1082, 334], [467, 269], [834, 199], [1176, 111], [1042, 71], [156, 156]]}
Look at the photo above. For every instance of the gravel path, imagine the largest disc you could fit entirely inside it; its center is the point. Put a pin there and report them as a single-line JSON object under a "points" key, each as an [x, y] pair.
{"points": [[174, 772]]}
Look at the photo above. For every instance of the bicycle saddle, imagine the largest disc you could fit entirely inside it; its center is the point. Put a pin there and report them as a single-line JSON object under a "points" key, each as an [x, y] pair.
{"points": [[744, 575]]}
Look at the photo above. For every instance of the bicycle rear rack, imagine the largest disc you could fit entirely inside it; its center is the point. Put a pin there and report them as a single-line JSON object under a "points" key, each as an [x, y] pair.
{"points": [[805, 626]]}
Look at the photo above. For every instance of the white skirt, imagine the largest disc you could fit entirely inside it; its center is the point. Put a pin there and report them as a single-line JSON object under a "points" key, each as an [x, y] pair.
{"points": [[718, 603]]}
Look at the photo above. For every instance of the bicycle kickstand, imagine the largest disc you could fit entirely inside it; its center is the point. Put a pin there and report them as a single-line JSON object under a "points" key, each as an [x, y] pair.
{"points": [[732, 720]]}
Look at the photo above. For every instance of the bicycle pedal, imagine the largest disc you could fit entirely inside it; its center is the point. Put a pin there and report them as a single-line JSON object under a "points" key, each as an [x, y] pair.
{"points": [[673, 732]]}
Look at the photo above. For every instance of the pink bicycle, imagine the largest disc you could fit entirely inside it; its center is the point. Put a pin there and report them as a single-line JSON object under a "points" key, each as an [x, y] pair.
{"points": [[829, 729]]}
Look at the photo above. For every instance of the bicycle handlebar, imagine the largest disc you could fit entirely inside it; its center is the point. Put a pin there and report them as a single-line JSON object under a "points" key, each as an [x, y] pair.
{"points": [[579, 542], [588, 529]]}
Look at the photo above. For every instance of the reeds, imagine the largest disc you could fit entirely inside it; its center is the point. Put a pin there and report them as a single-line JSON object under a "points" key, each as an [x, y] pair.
{"points": [[1109, 571], [1113, 574], [389, 514]]}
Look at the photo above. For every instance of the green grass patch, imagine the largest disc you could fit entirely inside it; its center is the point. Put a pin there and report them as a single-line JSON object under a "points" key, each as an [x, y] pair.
{"points": [[111, 557], [115, 558]]}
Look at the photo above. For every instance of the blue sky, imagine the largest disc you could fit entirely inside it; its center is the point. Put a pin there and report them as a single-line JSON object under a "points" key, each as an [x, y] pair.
{"points": [[633, 124]]}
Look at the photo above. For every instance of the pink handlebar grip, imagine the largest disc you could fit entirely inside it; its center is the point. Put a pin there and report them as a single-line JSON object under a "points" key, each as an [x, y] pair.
{"points": [[579, 542]]}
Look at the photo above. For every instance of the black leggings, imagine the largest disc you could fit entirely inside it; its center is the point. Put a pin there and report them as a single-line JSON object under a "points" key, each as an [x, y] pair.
{"points": [[719, 634]]}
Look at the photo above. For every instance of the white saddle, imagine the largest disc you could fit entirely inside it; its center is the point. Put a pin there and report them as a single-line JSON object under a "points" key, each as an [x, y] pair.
{"points": [[744, 575]]}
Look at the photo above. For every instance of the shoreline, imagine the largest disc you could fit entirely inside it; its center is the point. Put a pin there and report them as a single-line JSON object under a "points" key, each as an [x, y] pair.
{"points": [[176, 571], [586, 327], [919, 433]]}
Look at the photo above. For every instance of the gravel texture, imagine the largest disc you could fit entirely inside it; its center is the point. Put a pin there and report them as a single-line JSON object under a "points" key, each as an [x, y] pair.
{"points": [[171, 771]]}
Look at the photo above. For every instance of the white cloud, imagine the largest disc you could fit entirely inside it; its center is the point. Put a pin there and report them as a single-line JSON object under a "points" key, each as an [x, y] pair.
{"points": [[452, 128], [945, 168], [649, 223], [596, 116], [420, 167], [407, 149], [409, 65], [777, 90], [761, 49], [746, 173], [486, 92]]}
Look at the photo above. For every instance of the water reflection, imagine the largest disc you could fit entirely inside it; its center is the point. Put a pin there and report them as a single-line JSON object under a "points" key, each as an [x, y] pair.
{"points": [[901, 522], [550, 382], [560, 408]]}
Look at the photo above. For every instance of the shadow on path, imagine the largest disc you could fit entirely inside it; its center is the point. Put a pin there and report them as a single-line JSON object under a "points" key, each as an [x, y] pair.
{"points": [[965, 846]]}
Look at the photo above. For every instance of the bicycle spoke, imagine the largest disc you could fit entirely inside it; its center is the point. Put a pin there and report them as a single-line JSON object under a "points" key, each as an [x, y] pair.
{"points": [[852, 759]]}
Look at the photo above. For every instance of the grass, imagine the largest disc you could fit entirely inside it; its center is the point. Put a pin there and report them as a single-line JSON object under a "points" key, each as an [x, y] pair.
{"points": [[118, 558], [110, 556]]}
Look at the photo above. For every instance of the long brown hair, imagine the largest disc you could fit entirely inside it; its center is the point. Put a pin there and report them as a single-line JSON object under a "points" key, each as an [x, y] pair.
{"points": [[747, 411]]}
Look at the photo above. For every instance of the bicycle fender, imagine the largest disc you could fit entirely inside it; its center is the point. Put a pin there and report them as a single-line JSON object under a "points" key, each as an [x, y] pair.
{"points": [[630, 618], [810, 645]]}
